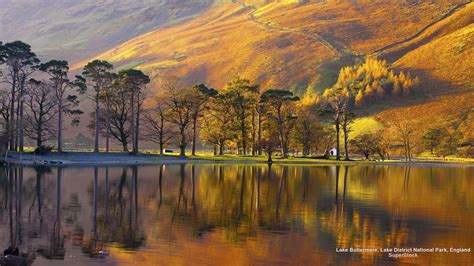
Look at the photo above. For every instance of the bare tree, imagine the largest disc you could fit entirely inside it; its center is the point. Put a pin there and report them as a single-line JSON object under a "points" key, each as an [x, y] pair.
{"points": [[155, 128], [179, 104], [42, 110], [403, 123]]}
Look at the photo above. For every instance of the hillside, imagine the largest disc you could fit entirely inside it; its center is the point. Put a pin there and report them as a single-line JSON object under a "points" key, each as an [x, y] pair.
{"points": [[266, 41], [443, 55], [75, 30]]}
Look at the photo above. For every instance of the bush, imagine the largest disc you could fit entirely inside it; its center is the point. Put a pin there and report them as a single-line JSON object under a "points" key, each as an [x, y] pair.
{"points": [[43, 150]]}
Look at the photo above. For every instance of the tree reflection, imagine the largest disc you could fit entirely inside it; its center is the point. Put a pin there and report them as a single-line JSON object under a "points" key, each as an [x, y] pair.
{"points": [[272, 208]]}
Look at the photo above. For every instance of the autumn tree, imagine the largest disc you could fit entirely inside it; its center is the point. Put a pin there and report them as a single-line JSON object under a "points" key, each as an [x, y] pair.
{"points": [[200, 101], [217, 127], [97, 76], [277, 102], [431, 140], [179, 105], [241, 98], [156, 129], [405, 129], [308, 130], [65, 92], [338, 99], [383, 140], [364, 144]]}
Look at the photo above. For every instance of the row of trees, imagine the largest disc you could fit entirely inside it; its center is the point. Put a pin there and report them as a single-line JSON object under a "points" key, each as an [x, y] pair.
{"points": [[35, 96], [241, 117], [38, 96]]}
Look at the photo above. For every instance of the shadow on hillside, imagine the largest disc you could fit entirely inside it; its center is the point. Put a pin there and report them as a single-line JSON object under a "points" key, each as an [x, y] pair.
{"points": [[431, 88]]}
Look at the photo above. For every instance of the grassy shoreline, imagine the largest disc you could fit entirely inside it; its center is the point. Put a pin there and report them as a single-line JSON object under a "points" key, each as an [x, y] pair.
{"points": [[118, 158]]}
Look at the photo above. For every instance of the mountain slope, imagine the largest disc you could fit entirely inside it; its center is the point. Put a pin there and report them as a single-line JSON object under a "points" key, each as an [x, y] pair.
{"points": [[75, 30], [443, 55], [292, 44]]}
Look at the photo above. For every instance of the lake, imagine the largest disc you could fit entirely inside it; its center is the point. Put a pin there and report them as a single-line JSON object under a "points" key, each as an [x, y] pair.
{"points": [[238, 214]]}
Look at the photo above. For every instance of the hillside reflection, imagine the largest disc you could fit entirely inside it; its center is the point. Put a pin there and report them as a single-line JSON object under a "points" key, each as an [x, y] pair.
{"points": [[195, 214]]}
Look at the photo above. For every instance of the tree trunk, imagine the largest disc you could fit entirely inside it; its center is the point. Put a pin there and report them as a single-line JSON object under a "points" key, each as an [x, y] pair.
{"points": [[162, 141], [11, 126], [60, 127], [39, 139], [338, 150], [221, 149], [253, 133], [259, 117], [346, 140], [21, 122], [244, 137], [107, 124], [125, 146], [137, 126], [195, 117], [132, 124], [282, 135], [182, 143], [215, 149], [96, 141]]}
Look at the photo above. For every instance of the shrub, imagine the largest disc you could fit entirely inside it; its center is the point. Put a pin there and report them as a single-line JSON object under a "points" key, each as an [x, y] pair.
{"points": [[43, 150]]}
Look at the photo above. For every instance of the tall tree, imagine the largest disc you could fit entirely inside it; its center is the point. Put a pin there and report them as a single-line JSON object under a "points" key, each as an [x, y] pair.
{"points": [[199, 103], [405, 130], [155, 124], [338, 99], [65, 92], [277, 102], [96, 74], [111, 84], [21, 63], [241, 95], [432, 139], [115, 119], [308, 130], [42, 110], [134, 81], [179, 104], [218, 124]]}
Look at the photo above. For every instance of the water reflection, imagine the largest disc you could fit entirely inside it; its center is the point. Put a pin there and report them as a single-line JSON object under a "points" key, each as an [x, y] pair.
{"points": [[196, 214]]}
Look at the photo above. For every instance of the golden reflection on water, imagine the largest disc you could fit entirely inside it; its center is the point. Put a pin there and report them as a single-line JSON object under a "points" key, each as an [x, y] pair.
{"points": [[236, 214]]}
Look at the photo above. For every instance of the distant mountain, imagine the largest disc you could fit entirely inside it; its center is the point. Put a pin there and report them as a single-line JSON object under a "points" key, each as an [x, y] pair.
{"points": [[77, 29]]}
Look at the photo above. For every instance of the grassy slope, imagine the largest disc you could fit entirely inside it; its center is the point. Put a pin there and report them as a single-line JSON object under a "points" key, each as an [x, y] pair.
{"points": [[434, 54], [267, 42]]}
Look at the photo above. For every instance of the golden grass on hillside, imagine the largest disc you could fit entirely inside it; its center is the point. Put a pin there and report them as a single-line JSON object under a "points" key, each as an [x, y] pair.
{"points": [[281, 44], [445, 63], [221, 43], [362, 25], [441, 112]]}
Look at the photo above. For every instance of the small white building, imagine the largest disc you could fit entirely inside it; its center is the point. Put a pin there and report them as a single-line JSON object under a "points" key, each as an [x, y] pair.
{"points": [[333, 152]]}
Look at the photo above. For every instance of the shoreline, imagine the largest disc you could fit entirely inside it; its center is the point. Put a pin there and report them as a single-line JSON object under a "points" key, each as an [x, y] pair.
{"points": [[85, 159]]}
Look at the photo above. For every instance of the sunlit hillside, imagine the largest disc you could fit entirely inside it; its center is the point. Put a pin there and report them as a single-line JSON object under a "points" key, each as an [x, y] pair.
{"points": [[291, 44]]}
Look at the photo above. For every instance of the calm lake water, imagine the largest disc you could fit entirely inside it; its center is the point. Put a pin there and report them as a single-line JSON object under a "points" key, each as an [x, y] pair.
{"points": [[236, 214]]}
